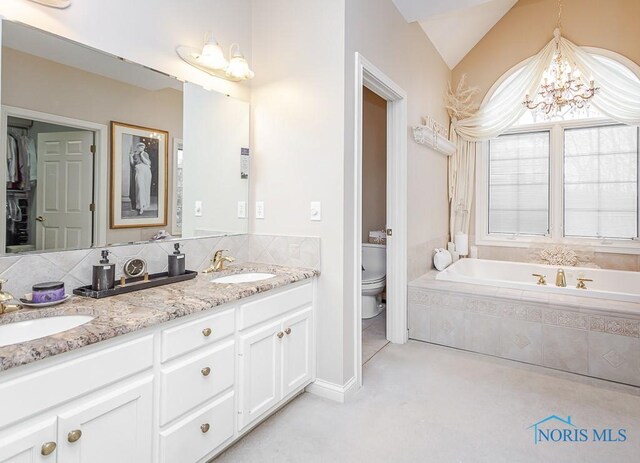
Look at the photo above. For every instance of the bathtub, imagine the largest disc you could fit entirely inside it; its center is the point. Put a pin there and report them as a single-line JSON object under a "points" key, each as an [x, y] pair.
{"points": [[607, 284]]}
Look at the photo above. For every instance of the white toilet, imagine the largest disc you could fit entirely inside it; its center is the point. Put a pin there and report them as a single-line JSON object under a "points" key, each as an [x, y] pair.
{"points": [[374, 270]]}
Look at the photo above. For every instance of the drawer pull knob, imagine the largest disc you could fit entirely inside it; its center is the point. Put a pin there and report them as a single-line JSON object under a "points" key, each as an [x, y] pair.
{"points": [[74, 435], [205, 428], [48, 448], [288, 331], [205, 371], [280, 334], [206, 332]]}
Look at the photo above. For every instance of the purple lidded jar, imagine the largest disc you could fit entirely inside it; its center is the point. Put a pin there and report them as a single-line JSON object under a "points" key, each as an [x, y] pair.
{"points": [[48, 292]]}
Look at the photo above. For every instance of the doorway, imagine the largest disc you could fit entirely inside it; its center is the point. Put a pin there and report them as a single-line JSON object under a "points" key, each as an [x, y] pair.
{"points": [[369, 77], [56, 192]]}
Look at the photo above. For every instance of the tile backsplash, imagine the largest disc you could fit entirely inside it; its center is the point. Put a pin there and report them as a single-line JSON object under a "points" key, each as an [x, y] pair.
{"points": [[74, 267]]}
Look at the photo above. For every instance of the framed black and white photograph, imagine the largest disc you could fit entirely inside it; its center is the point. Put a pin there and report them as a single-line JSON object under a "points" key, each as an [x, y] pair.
{"points": [[139, 180]]}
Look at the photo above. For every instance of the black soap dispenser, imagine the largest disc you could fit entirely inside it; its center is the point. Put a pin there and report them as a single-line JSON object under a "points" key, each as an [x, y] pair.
{"points": [[176, 262], [104, 274]]}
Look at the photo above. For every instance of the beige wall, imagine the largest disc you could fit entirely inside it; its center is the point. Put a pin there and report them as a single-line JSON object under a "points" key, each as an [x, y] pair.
{"points": [[374, 163], [528, 26], [521, 33], [41, 85]]}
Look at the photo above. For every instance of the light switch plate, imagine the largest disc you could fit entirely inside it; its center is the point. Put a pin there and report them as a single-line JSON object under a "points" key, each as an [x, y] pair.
{"points": [[316, 211], [242, 209], [259, 209], [198, 209]]}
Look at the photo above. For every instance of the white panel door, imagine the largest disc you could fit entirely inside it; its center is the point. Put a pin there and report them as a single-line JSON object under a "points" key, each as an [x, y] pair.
{"points": [[64, 190], [28, 444], [297, 350], [259, 380], [114, 427]]}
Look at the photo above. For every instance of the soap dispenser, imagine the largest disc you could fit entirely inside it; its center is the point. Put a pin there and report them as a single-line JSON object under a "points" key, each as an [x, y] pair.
{"points": [[104, 274], [176, 262]]}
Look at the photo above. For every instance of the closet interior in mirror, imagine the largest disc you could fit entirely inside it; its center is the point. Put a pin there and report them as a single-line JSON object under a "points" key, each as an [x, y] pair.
{"points": [[102, 151]]}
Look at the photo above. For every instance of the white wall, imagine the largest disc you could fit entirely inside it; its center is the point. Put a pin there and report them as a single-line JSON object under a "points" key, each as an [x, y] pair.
{"points": [[147, 32], [297, 143], [403, 52]]}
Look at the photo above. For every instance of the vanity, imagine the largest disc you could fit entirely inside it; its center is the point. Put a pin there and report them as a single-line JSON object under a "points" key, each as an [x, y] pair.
{"points": [[170, 374]]}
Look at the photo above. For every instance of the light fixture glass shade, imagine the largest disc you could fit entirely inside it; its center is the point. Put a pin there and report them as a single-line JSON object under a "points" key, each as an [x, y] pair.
{"points": [[212, 56], [239, 68]]}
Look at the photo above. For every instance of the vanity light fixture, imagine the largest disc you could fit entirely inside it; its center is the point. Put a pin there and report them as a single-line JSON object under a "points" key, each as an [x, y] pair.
{"points": [[54, 3], [211, 60]]}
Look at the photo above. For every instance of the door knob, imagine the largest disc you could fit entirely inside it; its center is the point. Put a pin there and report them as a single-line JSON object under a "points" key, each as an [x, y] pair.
{"points": [[280, 334], [74, 435], [205, 428], [205, 371], [40, 218], [206, 332], [48, 448], [288, 331]]}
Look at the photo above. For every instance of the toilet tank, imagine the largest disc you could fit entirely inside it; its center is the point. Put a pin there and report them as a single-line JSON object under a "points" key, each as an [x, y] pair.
{"points": [[374, 259]]}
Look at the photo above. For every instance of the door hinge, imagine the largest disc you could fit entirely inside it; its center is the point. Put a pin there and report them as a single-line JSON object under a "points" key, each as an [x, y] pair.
{"points": [[93, 149], [92, 207]]}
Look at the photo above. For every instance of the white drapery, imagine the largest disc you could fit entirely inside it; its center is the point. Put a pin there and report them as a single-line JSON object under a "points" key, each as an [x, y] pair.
{"points": [[618, 98]]}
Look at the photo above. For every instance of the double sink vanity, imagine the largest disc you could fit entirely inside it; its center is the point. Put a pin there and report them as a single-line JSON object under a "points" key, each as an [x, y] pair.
{"points": [[175, 373]]}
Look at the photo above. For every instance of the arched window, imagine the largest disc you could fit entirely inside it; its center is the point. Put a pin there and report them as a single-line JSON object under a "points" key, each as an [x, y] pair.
{"points": [[567, 180]]}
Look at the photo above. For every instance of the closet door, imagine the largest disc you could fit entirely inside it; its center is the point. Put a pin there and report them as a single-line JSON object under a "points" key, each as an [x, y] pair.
{"points": [[64, 190]]}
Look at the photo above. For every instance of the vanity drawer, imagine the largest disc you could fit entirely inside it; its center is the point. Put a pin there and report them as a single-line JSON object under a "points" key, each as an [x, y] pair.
{"points": [[186, 383], [199, 333], [71, 379], [269, 307], [187, 442]]}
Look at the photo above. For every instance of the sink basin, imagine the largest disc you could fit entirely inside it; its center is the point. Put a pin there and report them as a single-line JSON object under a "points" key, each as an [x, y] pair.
{"points": [[243, 277], [13, 333]]}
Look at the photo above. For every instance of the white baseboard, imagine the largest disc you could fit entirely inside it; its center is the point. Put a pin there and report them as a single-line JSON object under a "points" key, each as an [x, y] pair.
{"points": [[332, 391]]}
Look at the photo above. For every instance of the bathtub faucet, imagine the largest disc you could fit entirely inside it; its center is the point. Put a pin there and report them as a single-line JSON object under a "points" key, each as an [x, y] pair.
{"points": [[560, 279]]}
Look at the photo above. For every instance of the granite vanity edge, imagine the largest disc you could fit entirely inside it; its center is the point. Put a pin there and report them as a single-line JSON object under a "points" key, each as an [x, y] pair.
{"points": [[131, 312]]}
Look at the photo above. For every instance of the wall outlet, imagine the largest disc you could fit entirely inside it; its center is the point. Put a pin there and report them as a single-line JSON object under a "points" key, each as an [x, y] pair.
{"points": [[316, 211], [242, 209], [198, 209], [259, 209]]}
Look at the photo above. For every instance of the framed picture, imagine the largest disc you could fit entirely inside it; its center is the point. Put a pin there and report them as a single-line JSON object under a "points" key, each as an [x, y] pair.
{"points": [[139, 176]]}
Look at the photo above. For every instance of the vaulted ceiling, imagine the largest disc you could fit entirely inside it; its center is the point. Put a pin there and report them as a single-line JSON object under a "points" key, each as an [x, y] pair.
{"points": [[454, 26]]}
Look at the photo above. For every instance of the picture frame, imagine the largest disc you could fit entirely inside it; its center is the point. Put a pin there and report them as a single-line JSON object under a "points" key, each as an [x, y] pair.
{"points": [[139, 176]]}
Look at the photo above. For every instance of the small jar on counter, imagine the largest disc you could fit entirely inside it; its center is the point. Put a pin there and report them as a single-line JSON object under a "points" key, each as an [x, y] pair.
{"points": [[50, 291]]}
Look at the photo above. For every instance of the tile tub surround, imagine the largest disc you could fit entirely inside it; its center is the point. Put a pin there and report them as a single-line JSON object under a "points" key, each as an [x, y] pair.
{"points": [[588, 336], [126, 313], [74, 267]]}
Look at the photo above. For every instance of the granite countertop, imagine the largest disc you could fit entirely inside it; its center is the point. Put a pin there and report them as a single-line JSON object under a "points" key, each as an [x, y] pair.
{"points": [[126, 313]]}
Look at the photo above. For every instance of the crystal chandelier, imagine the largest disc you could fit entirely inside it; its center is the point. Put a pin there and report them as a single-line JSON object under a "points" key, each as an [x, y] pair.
{"points": [[562, 89]]}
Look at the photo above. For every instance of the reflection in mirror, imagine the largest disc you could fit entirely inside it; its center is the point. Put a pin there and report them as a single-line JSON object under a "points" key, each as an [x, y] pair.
{"points": [[68, 166]]}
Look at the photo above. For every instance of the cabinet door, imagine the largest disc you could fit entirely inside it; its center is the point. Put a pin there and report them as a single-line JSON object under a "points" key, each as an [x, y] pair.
{"points": [[297, 350], [27, 444], [259, 373], [113, 427]]}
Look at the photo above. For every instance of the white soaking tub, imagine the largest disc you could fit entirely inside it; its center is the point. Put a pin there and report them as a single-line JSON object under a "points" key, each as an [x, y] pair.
{"points": [[607, 284]]}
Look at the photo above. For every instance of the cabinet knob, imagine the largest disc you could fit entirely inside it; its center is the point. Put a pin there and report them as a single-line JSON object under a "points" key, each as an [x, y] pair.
{"points": [[288, 331], [48, 448], [280, 334], [206, 332], [205, 371], [205, 428], [74, 435]]}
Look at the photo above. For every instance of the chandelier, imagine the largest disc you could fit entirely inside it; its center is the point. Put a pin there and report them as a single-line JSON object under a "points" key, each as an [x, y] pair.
{"points": [[562, 89]]}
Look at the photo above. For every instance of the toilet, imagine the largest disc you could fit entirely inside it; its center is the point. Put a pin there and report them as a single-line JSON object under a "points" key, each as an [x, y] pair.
{"points": [[374, 270]]}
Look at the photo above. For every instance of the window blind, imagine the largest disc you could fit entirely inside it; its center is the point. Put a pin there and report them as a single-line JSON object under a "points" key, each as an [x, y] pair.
{"points": [[519, 184]]}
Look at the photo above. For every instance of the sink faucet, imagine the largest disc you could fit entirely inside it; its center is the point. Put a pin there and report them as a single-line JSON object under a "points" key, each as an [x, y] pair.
{"points": [[217, 262], [561, 279], [5, 297]]}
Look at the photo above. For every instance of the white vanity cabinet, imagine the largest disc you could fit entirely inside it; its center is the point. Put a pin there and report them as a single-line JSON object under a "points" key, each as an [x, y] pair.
{"points": [[276, 355], [181, 391]]}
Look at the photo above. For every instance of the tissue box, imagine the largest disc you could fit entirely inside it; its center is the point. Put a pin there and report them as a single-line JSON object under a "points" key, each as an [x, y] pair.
{"points": [[377, 237]]}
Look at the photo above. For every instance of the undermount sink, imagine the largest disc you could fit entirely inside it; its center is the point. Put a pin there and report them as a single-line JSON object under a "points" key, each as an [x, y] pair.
{"points": [[13, 333], [243, 277]]}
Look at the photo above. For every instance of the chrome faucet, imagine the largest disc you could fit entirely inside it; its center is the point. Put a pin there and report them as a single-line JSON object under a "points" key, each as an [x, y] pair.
{"points": [[561, 280], [217, 262]]}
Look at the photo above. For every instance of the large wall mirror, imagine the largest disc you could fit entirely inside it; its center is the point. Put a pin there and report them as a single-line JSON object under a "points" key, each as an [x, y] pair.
{"points": [[101, 151]]}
